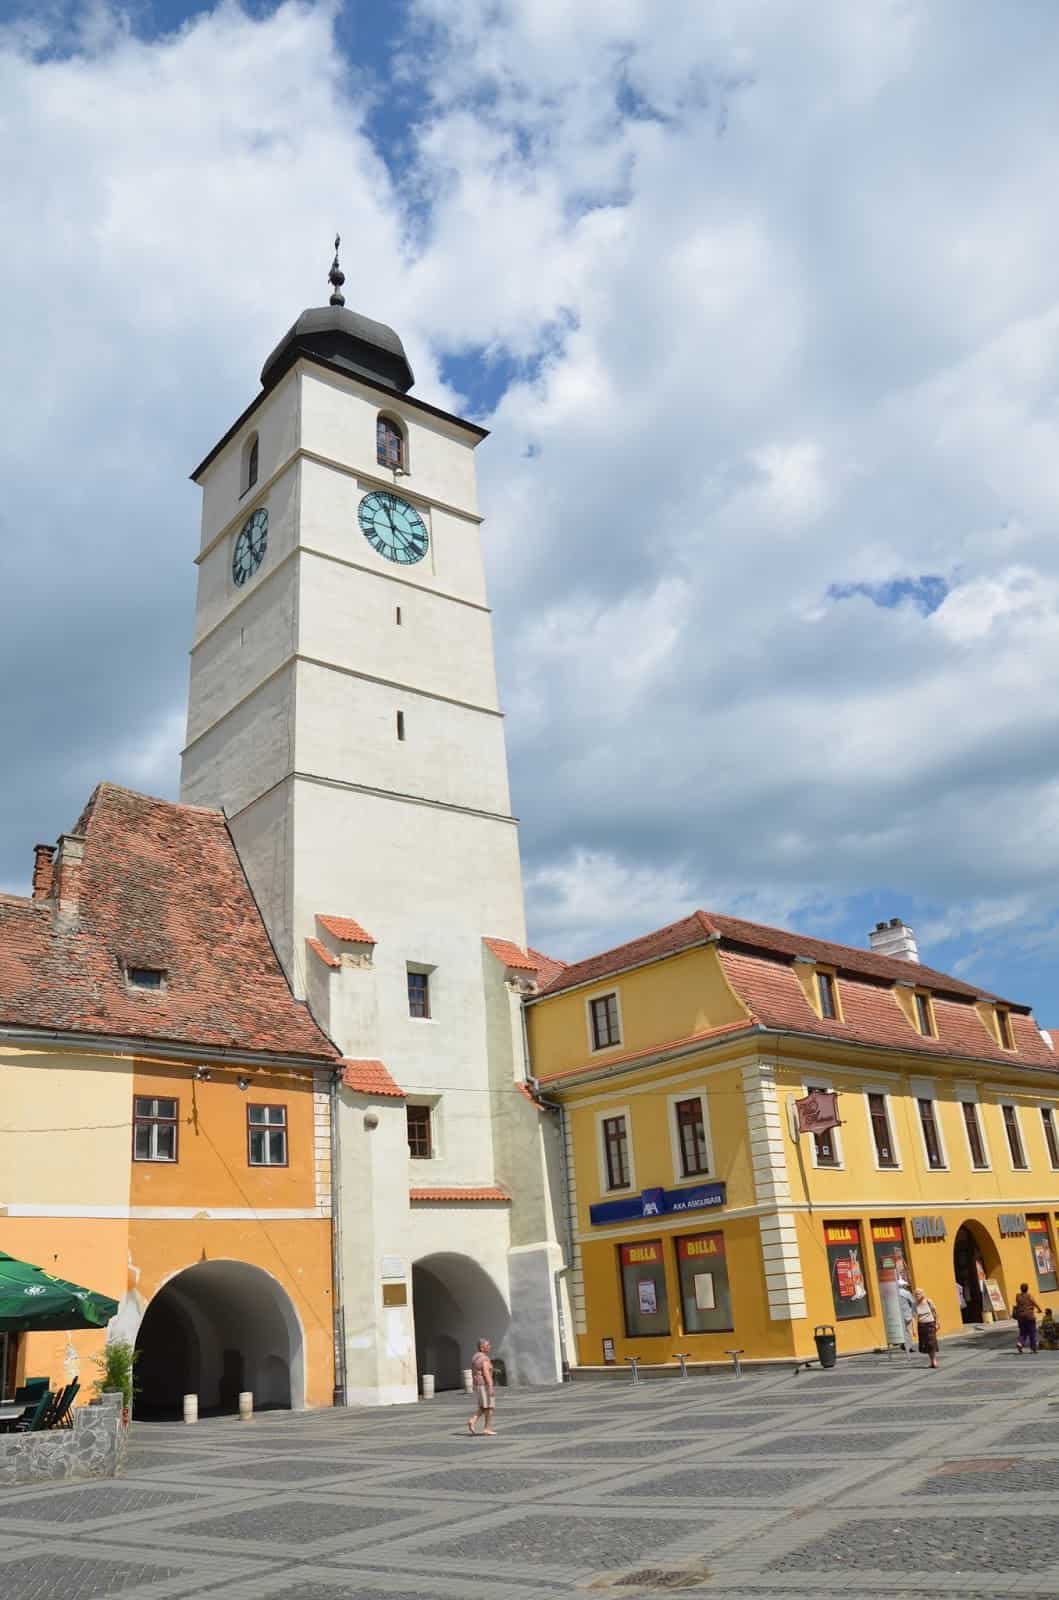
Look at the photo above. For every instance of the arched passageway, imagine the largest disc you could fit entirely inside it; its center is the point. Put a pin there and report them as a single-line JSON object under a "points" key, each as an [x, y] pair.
{"points": [[974, 1259], [216, 1329], [456, 1303]]}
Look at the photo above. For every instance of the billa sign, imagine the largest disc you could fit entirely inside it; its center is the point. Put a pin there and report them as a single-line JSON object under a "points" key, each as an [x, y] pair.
{"points": [[818, 1111], [641, 1255]]}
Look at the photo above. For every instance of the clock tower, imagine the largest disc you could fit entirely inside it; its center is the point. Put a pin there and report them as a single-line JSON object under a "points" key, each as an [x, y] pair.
{"points": [[343, 711]]}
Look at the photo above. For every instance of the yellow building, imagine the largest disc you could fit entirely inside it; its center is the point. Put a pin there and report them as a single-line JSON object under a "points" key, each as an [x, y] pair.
{"points": [[165, 1115], [702, 1222]]}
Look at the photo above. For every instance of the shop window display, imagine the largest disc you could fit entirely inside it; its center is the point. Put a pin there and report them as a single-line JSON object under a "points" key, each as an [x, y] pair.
{"points": [[704, 1295], [643, 1288], [1041, 1248], [845, 1261]]}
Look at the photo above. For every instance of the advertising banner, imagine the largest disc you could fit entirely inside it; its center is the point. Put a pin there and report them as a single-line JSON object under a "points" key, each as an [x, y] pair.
{"points": [[704, 1293], [891, 1271], [1041, 1249], [849, 1291]]}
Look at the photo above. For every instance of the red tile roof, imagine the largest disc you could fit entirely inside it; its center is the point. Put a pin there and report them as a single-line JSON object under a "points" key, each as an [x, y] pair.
{"points": [[548, 967], [459, 1195], [666, 941], [369, 1077], [345, 929], [325, 955], [511, 955], [160, 886]]}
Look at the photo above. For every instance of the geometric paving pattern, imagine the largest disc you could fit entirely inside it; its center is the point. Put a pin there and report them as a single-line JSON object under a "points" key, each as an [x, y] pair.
{"points": [[879, 1479]]}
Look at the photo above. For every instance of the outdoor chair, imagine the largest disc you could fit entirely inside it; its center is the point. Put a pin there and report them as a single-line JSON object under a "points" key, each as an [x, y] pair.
{"points": [[32, 1418], [59, 1415], [31, 1391]]}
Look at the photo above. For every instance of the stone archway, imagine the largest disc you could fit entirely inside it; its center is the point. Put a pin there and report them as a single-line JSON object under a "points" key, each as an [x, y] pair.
{"points": [[455, 1303], [975, 1257], [213, 1330]]}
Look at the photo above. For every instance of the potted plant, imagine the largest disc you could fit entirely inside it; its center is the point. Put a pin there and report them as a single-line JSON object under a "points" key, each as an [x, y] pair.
{"points": [[116, 1368]]}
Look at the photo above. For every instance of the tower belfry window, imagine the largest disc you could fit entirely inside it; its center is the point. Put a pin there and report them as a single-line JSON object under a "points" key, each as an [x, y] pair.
{"points": [[389, 444], [250, 456]]}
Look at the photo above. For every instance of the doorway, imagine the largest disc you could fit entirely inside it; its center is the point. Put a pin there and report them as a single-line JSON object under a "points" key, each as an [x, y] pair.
{"points": [[974, 1259], [455, 1303], [214, 1330]]}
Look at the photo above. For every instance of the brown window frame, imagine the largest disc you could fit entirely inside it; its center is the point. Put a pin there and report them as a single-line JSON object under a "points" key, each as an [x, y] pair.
{"points": [[422, 978], [1016, 1146], [151, 1120], [825, 989], [267, 1127], [924, 1015], [694, 1158], [425, 1119], [1051, 1137], [615, 1131], [879, 1117], [928, 1123], [975, 1142], [387, 424], [605, 1023]]}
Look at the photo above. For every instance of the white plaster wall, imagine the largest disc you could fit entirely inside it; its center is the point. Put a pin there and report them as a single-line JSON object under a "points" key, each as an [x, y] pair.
{"points": [[330, 500], [236, 657], [247, 752], [347, 731], [276, 423], [338, 418], [347, 615], [263, 834]]}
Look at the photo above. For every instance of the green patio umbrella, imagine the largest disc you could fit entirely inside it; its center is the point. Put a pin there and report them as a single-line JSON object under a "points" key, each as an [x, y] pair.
{"points": [[31, 1300]]}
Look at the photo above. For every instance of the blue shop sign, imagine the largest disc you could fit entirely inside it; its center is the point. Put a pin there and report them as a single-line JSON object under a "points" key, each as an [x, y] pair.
{"points": [[658, 1202]]}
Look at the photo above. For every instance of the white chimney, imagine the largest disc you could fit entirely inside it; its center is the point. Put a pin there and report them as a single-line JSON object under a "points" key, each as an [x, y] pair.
{"points": [[894, 938]]}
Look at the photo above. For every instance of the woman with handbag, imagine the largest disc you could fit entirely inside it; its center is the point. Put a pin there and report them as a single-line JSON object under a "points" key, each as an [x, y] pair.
{"points": [[929, 1327]]}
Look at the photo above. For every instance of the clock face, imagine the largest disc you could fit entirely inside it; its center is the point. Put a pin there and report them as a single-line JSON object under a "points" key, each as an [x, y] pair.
{"points": [[393, 527], [250, 546]]}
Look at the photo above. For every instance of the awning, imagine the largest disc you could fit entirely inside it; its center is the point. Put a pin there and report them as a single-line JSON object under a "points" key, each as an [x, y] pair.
{"points": [[31, 1299]]}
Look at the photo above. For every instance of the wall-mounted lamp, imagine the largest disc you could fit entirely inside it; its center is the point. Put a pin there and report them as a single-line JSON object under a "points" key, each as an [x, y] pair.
{"points": [[244, 1083], [203, 1074]]}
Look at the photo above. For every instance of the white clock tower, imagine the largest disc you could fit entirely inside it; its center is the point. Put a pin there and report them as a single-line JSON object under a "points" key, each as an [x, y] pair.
{"points": [[343, 711]]}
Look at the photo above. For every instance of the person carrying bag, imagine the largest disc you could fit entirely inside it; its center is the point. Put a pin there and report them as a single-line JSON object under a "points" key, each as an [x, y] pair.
{"points": [[929, 1326]]}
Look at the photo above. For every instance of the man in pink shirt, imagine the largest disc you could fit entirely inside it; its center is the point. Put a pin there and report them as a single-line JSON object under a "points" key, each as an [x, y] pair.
{"points": [[484, 1389]]}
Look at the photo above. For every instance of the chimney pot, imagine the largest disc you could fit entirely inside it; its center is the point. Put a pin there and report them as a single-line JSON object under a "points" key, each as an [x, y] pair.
{"points": [[895, 939], [66, 878], [43, 855]]}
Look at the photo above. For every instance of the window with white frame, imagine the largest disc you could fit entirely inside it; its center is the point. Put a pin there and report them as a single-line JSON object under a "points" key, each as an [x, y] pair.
{"points": [[267, 1136], [881, 1131], [154, 1128], [1014, 1137], [604, 1021], [693, 1152], [1051, 1138]]}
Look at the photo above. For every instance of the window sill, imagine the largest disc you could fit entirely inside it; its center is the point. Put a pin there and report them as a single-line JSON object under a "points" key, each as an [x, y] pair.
{"points": [[691, 1177]]}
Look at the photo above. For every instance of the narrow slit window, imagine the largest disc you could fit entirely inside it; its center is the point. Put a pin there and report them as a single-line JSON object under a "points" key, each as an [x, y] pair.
{"points": [[923, 1018], [1003, 1028], [250, 457], [397, 617], [400, 724]]}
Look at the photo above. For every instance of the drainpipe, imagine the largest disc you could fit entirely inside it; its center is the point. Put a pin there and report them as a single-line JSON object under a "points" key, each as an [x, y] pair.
{"points": [[338, 1310]]}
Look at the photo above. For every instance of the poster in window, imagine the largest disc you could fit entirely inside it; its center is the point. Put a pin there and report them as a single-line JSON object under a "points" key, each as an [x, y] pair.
{"points": [[1043, 1259], [643, 1288], [705, 1296], [892, 1274], [849, 1292]]}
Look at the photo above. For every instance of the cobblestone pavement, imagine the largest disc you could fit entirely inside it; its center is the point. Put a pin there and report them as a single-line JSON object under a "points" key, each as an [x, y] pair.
{"points": [[881, 1478]]}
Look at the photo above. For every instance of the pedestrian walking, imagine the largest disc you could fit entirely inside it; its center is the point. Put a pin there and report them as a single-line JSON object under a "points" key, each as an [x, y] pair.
{"points": [[484, 1386], [929, 1326], [908, 1311], [1026, 1309]]}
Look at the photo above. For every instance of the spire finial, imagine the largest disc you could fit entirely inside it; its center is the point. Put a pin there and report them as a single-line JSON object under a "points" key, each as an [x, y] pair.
{"points": [[336, 277]]}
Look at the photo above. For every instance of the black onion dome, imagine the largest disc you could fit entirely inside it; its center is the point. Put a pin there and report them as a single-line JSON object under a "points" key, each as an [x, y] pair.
{"points": [[364, 348]]}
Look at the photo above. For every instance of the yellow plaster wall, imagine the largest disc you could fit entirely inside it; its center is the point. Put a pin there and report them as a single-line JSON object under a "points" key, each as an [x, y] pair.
{"points": [[668, 1000], [65, 1128]]}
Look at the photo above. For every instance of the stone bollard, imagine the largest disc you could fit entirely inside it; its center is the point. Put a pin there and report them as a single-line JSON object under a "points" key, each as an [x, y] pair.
{"points": [[682, 1357], [246, 1405], [191, 1408], [737, 1363], [468, 1381], [634, 1364], [428, 1386]]}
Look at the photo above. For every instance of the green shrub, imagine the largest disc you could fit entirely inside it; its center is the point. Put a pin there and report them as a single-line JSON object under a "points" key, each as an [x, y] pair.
{"points": [[117, 1370]]}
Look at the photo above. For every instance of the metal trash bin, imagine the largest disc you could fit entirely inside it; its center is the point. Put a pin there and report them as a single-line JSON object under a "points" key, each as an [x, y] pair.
{"points": [[826, 1347]]}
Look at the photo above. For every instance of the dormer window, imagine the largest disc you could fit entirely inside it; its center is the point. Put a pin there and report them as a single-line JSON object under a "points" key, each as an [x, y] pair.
{"points": [[389, 445], [249, 472], [924, 1019], [825, 989], [152, 978], [1003, 1028]]}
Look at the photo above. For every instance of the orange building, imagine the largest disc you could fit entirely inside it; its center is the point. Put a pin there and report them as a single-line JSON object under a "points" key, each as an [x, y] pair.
{"points": [[165, 1114]]}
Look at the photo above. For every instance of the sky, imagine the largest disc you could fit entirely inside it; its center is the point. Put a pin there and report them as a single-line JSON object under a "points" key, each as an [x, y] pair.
{"points": [[761, 308]]}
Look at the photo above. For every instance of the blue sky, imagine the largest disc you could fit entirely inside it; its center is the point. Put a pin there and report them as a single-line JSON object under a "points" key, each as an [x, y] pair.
{"points": [[761, 310]]}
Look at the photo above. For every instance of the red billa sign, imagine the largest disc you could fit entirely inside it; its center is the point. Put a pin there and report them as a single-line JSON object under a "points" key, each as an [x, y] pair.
{"points": [[818, 1111]]}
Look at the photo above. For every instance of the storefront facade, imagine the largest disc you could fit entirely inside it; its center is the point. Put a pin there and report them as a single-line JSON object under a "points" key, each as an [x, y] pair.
{"points": [[703, 1222]]}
